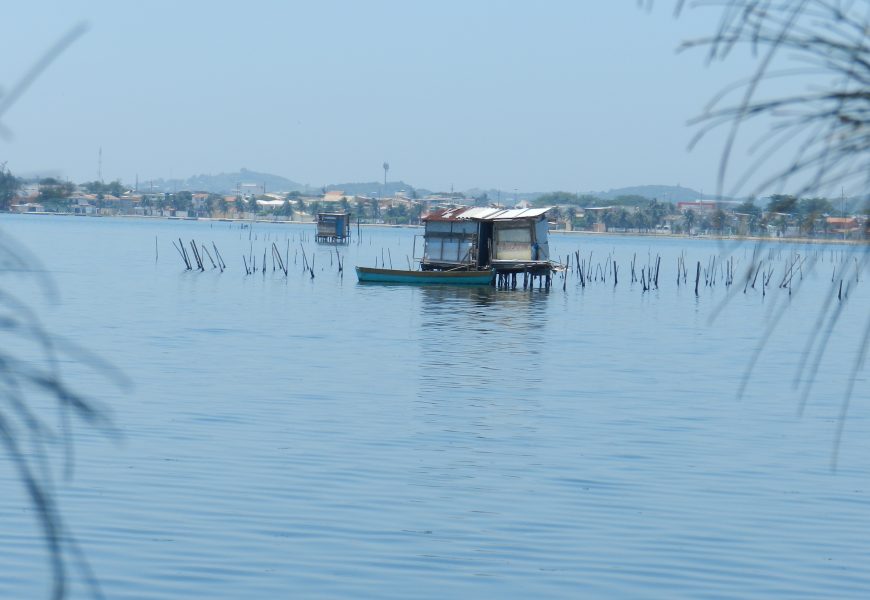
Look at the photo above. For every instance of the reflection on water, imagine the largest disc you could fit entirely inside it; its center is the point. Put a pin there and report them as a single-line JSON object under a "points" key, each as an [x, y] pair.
{"points": [[477, 406], [475, 335]]}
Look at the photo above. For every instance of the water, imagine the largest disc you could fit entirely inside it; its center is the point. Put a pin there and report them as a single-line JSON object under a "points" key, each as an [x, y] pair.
{"points": [[325, 439]]}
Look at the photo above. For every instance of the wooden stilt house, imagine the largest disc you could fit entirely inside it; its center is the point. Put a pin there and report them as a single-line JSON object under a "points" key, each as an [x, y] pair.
{"points": [[333, 227], [507, 240]]}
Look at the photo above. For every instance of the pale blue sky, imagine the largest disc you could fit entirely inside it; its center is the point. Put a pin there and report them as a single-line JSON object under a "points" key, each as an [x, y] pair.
{"points": [[575, 95]]}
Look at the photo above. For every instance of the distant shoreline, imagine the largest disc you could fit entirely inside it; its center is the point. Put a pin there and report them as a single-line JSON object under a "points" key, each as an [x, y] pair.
{"points": [[736, 238], [672, 236]]}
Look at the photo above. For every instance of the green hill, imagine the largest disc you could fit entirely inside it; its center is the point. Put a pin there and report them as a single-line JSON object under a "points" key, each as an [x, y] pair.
{"points": [[228, 183]]}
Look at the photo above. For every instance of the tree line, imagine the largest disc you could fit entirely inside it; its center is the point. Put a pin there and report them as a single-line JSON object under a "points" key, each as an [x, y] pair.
{"points": [[582, 211], [638, 213]]}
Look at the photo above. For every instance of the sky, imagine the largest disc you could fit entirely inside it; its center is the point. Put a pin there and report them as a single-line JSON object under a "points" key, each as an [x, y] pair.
{"points": [[579, 95]]}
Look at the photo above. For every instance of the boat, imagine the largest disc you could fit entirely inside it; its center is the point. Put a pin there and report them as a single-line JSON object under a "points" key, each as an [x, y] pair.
{"points": [[372, 275]]}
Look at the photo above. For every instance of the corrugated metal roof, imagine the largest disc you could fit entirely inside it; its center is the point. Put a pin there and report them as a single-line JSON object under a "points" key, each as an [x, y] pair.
{"points": [[519, 213], [479, 212], [485, 213]]}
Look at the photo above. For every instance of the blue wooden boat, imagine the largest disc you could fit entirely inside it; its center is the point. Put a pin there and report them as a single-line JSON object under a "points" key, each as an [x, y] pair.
{"points": [[371, 275]]}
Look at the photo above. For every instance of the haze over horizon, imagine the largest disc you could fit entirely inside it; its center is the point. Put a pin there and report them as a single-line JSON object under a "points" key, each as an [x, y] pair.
{"points": [[552, 96]]}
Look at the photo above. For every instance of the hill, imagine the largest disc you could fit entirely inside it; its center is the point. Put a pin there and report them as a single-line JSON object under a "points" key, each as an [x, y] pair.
{"points": [[376, 188], [662, 193], [228, 183], [245, 180]]}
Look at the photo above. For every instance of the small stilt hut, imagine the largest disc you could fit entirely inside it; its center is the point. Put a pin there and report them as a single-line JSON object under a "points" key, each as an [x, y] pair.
{"points": [[333, 227]]}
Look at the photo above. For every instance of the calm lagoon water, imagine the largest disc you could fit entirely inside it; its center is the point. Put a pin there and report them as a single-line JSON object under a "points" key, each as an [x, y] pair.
{"points": [[290, 437]]}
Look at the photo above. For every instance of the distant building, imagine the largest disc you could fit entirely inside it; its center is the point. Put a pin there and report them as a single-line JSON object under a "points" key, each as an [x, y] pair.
{"points": [[700, 207], [28, 190], [115, 205], [199, 201], [271, 203], [842, 225], [82, 204], [336, 196], [333, 196], [27, 207]]}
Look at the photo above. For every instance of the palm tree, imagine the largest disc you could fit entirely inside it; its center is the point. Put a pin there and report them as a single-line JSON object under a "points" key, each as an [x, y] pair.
{"points": [[689, 217], [570, 215], [718, 220]]}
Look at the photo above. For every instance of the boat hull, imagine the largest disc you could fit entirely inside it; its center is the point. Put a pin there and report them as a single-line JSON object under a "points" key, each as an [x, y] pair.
{"points": [[371, 275]]}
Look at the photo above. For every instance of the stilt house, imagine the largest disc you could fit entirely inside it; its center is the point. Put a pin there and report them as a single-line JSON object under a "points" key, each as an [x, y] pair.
{"points": [[510, 241], [333, 227]]}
